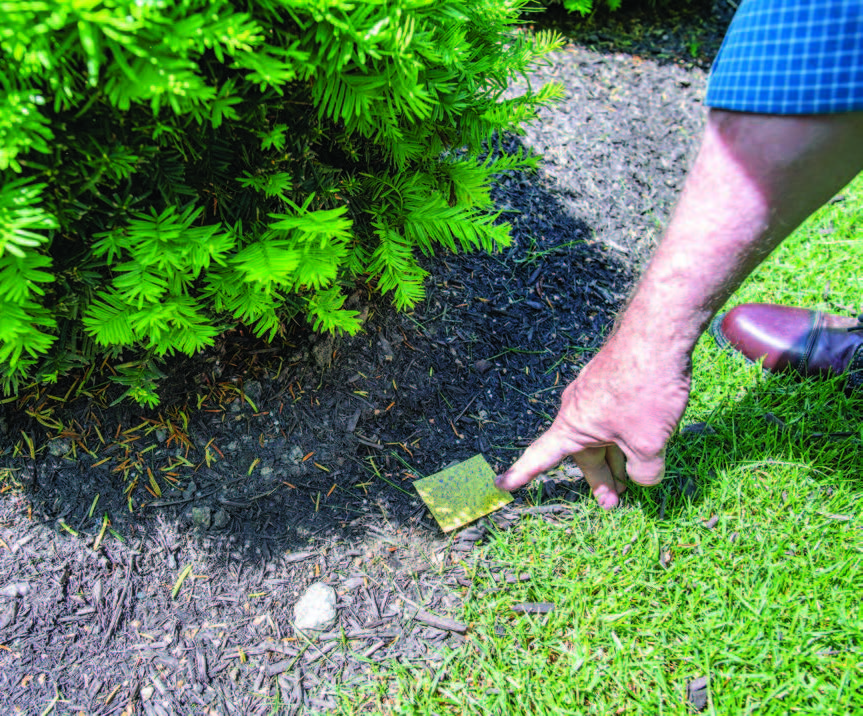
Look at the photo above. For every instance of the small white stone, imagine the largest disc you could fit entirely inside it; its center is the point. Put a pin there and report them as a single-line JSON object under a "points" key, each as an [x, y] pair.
{"points": [[316, 609]]}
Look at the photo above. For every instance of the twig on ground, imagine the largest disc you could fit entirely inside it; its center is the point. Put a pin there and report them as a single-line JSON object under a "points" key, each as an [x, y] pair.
{"points": [[115, 617], [442, 623]]}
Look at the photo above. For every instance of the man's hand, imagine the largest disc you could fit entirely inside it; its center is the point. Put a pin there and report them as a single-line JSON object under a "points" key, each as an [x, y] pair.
{"points": [[614, 420]]}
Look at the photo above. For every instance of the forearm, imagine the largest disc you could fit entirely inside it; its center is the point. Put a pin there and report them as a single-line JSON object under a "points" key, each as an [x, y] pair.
{"points": [[755, 179]]}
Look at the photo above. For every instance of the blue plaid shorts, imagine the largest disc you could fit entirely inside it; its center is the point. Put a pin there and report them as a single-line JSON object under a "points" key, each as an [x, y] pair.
{"points": [[790, 57]]}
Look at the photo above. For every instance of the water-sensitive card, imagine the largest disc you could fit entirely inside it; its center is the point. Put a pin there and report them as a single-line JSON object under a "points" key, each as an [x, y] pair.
{"points": [[462, 493]]}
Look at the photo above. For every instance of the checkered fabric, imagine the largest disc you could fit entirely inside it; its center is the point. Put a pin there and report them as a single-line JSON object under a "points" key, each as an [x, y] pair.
{"points": [[791, 57]]}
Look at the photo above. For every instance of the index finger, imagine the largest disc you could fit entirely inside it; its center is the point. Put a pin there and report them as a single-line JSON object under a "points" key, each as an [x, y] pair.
{"points": [[541, 455]]}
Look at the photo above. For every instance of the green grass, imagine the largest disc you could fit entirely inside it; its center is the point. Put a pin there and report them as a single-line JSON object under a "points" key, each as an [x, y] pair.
{"points": [[766, 603]]}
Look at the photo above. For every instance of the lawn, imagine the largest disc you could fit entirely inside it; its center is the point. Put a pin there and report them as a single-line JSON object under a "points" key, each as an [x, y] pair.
{"points": [[744, 569]]}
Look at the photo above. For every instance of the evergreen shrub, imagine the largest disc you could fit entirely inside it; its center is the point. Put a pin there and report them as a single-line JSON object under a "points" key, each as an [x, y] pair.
{"points": [[174, 168], [586, 7]]}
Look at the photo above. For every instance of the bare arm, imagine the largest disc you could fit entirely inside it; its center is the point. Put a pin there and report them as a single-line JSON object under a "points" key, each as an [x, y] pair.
{"points": [[755, 179]]}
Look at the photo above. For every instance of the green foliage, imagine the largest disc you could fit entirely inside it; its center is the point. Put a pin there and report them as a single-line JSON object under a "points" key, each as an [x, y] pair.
{"points": [[584, 7], [172, 169]]}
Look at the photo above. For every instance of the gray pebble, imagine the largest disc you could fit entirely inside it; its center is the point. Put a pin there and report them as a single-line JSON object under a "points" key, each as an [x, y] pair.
{"points": [[8, 612], [221, 519], [322, 351], [59, 446], [202, 517], [15, 590]]}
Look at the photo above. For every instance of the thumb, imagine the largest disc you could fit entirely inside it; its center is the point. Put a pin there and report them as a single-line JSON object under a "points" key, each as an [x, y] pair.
{"points": [[647, 471], [542, 454]]}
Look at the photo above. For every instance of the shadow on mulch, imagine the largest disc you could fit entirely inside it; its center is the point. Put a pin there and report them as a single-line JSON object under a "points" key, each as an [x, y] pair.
{"points": [[151, 560], [292, 438]]}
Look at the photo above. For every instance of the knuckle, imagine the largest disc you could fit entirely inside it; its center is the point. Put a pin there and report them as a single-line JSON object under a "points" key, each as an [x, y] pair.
{"points": [[648, 481], [646, 447]]}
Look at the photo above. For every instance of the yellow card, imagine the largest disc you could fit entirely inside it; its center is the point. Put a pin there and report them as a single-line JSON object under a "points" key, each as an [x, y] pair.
{"points": [[462, 493]]}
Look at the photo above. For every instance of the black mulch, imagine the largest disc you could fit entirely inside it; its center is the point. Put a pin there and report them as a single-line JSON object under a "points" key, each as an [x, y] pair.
{"points": [[270, 467]]}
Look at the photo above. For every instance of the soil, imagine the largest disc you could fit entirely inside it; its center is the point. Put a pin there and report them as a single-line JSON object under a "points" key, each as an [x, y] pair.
{"points": [[150, 560]]}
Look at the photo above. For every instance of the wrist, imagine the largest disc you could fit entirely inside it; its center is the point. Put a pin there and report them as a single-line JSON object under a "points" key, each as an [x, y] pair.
{"points": [[659, 324]]}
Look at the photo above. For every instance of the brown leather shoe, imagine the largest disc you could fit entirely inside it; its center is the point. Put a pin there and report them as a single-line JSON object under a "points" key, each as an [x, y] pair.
{"points": [[799, 340]]}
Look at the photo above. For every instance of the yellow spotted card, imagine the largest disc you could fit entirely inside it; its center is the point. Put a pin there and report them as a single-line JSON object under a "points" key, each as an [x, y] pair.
{"points": [[462, 493]]}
